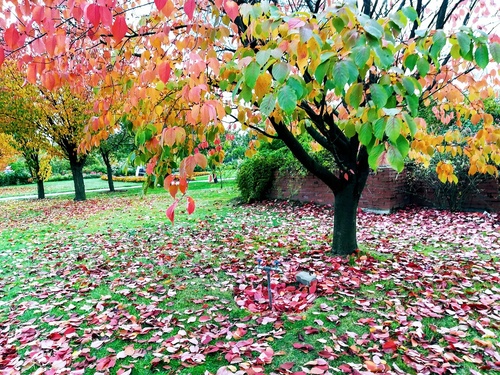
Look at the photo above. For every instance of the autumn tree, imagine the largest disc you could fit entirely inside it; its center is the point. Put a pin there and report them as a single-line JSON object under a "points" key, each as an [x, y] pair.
{"points": [[44, 121], [351, 77], [8, 153]]}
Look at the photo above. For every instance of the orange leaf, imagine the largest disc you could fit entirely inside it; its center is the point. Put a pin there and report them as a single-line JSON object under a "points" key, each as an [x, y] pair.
{"points": [[11, 37], [171, 211], [183, 185], [164, 71], [119, 28], [168, 9], [129, 350], [168, 136], [189, 6], [190, 205], [168, 181], [201, 160], [231, 8]]}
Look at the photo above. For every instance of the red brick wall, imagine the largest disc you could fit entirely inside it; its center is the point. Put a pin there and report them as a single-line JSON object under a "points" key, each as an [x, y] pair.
{"points": [[385, 191]]}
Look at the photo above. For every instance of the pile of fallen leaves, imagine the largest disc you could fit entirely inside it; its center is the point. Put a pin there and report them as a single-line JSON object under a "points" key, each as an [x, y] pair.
{"points": [[422, 296]]}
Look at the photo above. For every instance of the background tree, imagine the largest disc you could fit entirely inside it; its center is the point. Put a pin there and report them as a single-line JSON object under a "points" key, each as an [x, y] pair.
{"points": [[117, 145], [352, 82], [8, 153], [45, 121]]}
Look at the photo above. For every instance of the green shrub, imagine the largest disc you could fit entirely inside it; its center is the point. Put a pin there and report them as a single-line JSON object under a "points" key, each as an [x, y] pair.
{"points": [[255, 176], [18, 175], [448, 195]]}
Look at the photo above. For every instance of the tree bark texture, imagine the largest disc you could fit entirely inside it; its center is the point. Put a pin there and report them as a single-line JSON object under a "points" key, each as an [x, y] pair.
{"points": [[78, 181], [40, 189]]}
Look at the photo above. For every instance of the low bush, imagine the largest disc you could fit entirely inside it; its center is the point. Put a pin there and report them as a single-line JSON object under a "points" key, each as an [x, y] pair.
{"points": [[125, 178], [255, 176]]}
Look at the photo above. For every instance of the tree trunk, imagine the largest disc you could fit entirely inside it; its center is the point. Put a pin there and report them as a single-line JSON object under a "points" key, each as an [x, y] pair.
{"points": [[77, 171], [345, 214], [40, 189], [109, 170]]}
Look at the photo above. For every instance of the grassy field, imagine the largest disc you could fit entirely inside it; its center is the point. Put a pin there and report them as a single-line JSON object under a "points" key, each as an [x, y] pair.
{"points": [[109, 285], [52, 187]]}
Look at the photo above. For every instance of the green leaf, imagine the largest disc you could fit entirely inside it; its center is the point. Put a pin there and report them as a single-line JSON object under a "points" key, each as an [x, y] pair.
{"points": [[412, 125], [365, 133], [298, 86], [412, 103], [360, 55], [399, 19], [495, 51], [395, 158], [393, 128], [438, 42], [321, 70], [280, 71], [385, 57], [263, 56], [481, 56], [379, 95], [423, 67], [251, 74], [246, 93], [379, 128], [267, 105], [338, 23], [403, 146], [410, 13], [341, 75], [410, 61], [355, 95], [373, 28], [287, 99], [463, 42], [408, 85], [374, 156], [349, 129]]}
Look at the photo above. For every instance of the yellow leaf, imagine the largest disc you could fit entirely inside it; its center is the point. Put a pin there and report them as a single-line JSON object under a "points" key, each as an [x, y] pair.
{"points": [[263, 85]]}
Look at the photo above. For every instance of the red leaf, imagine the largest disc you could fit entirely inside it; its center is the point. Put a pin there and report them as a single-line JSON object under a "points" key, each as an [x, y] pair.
{"points": [[11, 37], [287, 365], [2, 55], [303, 347], [106, 16], [164, 71], [231, 8], [105, 363], [119, 28], [190, 205], [160, 4], [189, 6], [93, 14], [390, 346], [171, 211]]}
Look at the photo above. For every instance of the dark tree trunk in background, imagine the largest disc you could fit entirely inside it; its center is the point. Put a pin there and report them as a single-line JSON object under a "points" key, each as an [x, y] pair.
{"points": [[109, 170], [78, 181], [40, 189]]}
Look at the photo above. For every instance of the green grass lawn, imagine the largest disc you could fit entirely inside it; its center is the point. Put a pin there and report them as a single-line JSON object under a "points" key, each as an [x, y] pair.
{"points": [[61, 187], [109, 285]]}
